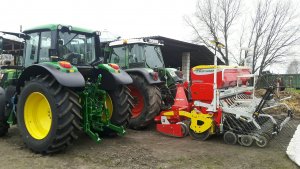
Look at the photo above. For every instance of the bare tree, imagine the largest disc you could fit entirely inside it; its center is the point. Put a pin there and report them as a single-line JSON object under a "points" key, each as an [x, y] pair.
{"points": [[273, 32], [270, 33], [213, 20], [240, 59], [293, 67]]}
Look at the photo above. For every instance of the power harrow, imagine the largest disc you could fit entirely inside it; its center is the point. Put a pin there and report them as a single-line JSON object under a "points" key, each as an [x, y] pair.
{"points": [[220, 100]]}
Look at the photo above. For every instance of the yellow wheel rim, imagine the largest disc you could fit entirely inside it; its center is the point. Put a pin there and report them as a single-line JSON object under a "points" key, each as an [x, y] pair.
{"points": [[37, 115], [109, 106]]}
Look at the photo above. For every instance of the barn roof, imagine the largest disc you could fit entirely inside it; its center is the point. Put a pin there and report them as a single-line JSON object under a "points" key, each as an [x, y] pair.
{"points": [[173, 49]]}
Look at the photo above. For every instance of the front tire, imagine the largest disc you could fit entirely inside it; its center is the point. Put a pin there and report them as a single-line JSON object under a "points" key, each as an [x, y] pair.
{"points": [[119, 104], [48, 115]]}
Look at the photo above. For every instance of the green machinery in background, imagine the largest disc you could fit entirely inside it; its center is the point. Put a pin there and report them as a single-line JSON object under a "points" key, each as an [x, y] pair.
{"points": [[58, 88], [153, 86]]}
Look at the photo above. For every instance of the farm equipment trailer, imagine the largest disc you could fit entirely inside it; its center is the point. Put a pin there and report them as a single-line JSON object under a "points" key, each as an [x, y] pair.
{"points": [[153, 86], [60, 89]]}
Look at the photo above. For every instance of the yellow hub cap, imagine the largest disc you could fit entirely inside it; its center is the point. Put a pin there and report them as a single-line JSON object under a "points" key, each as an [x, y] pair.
{"points": [[109, 106], [37, 115]]}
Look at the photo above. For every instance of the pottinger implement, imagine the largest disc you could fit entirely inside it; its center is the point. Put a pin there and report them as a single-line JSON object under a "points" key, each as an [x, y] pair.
{"points": [[220, 100]]}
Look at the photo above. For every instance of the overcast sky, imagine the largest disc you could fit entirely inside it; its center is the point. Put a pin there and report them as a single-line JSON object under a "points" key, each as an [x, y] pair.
{"points": [[128, 18]]}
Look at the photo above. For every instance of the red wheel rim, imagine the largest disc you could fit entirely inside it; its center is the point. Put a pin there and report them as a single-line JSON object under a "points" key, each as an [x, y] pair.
{"points": [[138, 101]]}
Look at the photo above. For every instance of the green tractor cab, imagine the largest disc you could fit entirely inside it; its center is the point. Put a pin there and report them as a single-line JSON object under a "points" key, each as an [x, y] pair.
{"points": [[153, 86], [60, 89]]}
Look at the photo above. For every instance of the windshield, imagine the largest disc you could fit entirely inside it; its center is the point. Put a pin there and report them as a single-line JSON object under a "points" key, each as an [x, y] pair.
{"points": [[153, 56], [136, 55], [79, 49], [127, 55], [118, 56]]}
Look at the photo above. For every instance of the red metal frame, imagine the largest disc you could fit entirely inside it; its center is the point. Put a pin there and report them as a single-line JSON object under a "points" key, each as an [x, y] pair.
{"points": [[201, 89]]}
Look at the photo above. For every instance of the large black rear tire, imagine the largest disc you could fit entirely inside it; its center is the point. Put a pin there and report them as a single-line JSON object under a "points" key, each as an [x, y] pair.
{"points": [[63, 112], [168, 95], [147, 102]]}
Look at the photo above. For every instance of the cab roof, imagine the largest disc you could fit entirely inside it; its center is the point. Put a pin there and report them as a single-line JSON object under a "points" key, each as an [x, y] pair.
{"points": [[52, 27], [136, 41]]}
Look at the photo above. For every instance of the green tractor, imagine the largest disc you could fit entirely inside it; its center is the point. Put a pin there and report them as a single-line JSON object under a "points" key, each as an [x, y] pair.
{"points": [[59, 89], [153, 86]]}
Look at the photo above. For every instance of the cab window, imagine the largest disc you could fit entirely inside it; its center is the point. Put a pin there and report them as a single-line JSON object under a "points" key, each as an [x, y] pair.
{"points": [[31, 49], [45, 46], [118, 56]]}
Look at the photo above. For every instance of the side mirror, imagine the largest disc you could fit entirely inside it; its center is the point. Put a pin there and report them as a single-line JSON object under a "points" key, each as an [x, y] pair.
{"points": [[1, 45]]}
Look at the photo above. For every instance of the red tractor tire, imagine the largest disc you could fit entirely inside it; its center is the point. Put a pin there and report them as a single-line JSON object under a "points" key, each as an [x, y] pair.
{"points": [[147, 102]]}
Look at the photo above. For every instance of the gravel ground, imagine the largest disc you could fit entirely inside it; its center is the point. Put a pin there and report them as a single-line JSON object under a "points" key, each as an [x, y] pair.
{"points": [[145, 149]]}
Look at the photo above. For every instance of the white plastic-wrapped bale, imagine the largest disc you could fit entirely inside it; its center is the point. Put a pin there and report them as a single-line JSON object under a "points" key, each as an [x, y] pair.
{"points": [[293, 150]]}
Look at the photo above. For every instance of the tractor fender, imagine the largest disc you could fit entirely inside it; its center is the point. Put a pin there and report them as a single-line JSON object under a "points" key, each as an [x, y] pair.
{"points": [[146, 73], [174, 74], [74, 80], [111, 80]]}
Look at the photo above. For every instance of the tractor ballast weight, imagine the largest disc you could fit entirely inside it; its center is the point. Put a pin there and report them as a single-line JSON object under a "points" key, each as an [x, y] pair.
{"points": [[233, 110], [57, 92]]}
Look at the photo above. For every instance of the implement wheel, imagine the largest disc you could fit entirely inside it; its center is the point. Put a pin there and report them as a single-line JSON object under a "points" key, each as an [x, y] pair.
{"points": [[119, 105], [146, 100], [263, 141], [199, 136], [230, 137], [184, 129], [246, 140], [48, 115]]}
